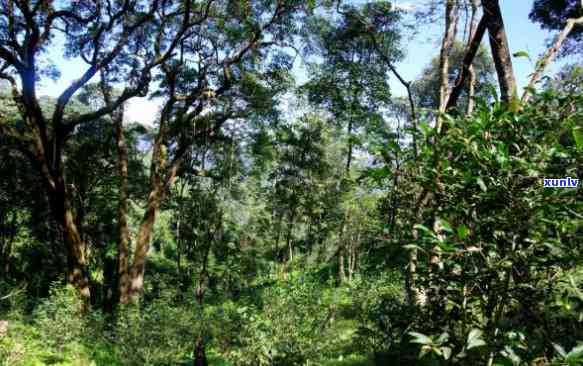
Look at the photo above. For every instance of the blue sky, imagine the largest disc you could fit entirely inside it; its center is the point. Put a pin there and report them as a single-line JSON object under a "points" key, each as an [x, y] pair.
{"points": [[522, 35]]}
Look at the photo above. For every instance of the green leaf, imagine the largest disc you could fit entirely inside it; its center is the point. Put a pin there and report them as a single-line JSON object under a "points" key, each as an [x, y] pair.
{"points": [[475, 339], [446, 352], [443, 225], [412, 247], [423, 228], [576, 354], [394, 146], [482, 184], [420, 338], [443, 338], [462, 231], [424, 351], [560, 350], [521, 54], [578, 136], [425, 128]]}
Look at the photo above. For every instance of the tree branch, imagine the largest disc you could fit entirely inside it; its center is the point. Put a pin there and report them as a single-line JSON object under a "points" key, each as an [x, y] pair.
{"points": [[549, 56], [468, 60]]}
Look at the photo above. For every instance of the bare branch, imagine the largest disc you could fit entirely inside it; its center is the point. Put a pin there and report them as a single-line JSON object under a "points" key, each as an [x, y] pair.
{"points": [[549, 56], [468, 60]]}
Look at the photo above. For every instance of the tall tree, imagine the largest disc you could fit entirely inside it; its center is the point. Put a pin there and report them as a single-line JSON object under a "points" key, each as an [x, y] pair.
{"points": [[100, 36], [427, 86], [131, 42], [553, 15], [353, 84], [500, 50]]}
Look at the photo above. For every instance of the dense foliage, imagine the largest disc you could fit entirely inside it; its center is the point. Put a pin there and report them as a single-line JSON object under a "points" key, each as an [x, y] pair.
{"points": [[269, 219]]}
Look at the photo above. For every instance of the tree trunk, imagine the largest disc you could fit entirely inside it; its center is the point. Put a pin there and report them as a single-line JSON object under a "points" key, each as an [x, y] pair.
{"points": [[341, 272], [467, 66], [123, 227], [289, 240], [200, 353], [77, 271], [451, 18], [471, 71], [500, 50], [143, 245], [157, 190], [59, 197], [350, 263], [123, 240], [6, 243], [342, 249]]}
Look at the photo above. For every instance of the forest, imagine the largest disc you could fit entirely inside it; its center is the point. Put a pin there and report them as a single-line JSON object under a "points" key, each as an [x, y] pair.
{"points": [[296, 198]]}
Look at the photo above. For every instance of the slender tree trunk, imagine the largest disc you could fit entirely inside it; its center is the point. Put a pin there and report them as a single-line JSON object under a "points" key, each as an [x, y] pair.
{"points": [[178, 243], [143, 243], [341, 239], [500, 50], [278, 236], [350, 148], [110, 279], [200, 353], [123, 227], [471, 70], [351, 261], [199, 344], [157, 191], [467, 63], [451, 18], [7, 241], [290, 228], [123, 240], [341, 272], [414, 293], [550, 55]]}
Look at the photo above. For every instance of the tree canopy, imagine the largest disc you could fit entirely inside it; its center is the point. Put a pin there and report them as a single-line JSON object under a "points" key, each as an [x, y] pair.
{"points": [[287, 205]]}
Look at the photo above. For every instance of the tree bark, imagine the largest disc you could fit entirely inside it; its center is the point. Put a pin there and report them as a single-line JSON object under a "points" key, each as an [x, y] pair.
{"points": [[143, 241], [199, 353], [77, 271], [123, 241], [159, 182], [500, 50], [288, 240], [451, 18], [467, 68], [341, 272], [123, 227], [471, 72], [342, 249]]}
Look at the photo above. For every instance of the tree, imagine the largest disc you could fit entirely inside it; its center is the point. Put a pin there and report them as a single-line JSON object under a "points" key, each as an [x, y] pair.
{"points": [[500, 50], [353, 85], [130, 43], [427, 86], [101, 38], [553, 15]]}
